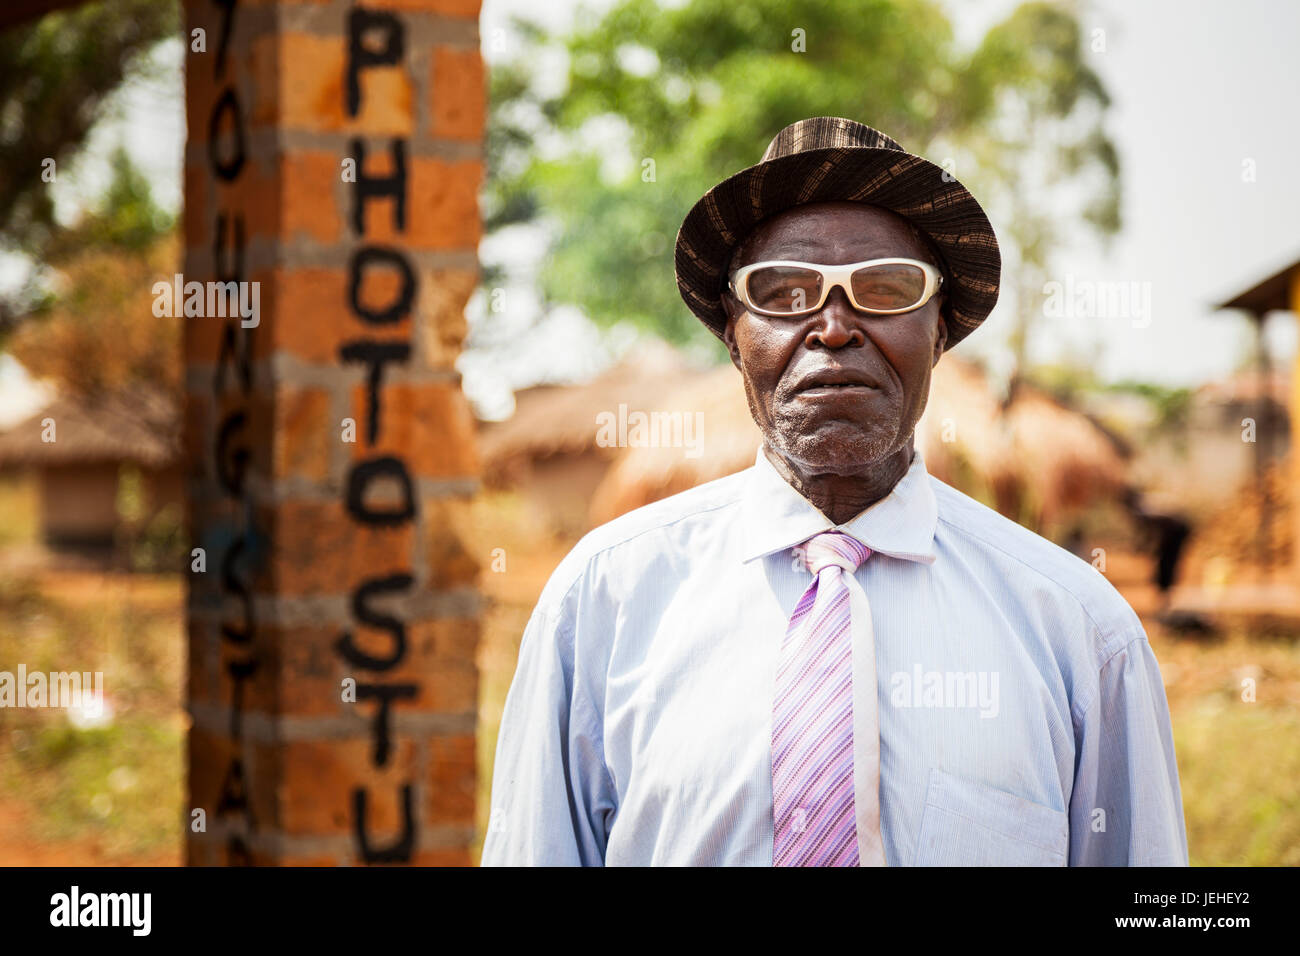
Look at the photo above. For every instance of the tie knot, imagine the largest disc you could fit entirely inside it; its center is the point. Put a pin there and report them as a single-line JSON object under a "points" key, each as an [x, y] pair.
{"points": [[834, 548]]}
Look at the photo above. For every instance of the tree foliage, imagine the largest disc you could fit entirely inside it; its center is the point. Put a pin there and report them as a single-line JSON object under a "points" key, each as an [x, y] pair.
{"points": [[699, 89], [55, 75], [97, 334]]}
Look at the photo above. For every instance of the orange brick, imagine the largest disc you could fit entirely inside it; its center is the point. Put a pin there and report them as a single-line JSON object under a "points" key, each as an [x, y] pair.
{"points": [[312, 317], [446, 856], [267, 859], [450, 688], [200, 340], [237, 453], [260, 63], [452, 777], [304, 436], [259, 690], [202, 87], [447, 682], [447, 527], [231, 401], [196, 217], [441, 206], [308, 670], [454, 8], [379, 286], [196, 434], [201, 852], [196, 854], [258, 435], [308, 182], [200, 681], [209, 757], [317, 778], [200, 337], [310, 93], [317, 548], [459, 94], [445, 642], [294, 195], [441, 298], [230, 116], [253, 196], [429, 427]]}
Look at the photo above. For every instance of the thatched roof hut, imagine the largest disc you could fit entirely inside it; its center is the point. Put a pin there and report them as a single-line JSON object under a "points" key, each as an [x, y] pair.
{"points": [[1057, 461], [558, 420], [140, 426], [77, 472], [550, 449], [728, 440]]}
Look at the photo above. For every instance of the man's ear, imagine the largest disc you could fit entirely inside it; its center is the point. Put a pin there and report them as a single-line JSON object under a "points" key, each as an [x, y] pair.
{"points": [[941, 339], [732, 308]]}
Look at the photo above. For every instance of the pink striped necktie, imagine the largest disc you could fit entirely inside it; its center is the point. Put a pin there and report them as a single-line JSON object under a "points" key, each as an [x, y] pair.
{"points": [[816, 818]]}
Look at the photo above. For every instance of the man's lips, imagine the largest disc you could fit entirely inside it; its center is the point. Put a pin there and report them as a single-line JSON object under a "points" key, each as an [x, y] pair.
{"points": [[831, 381]]}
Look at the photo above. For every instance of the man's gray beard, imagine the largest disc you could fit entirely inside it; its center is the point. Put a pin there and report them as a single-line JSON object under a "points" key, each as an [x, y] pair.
{"points": [[845, 451]]}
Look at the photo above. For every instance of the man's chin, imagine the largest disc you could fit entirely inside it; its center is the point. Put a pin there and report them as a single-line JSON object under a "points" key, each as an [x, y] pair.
{"points": [[837, 449]]}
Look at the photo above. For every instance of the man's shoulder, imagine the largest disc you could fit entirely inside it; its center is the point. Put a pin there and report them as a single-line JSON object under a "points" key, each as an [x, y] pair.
{"points": [[705, 502], [1024, 557]]}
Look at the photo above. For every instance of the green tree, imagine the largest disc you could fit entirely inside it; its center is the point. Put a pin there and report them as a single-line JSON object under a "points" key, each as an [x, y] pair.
{"points": [[97, 335], [55, 75], [700, 88]]}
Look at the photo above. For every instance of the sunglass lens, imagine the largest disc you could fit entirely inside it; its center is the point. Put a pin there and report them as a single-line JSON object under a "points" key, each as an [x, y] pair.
{"points": [[888, 287], [784, 289]]}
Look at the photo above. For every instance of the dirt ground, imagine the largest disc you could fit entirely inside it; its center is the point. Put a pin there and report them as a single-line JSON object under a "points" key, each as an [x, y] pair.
{"points": [[18, 849]]}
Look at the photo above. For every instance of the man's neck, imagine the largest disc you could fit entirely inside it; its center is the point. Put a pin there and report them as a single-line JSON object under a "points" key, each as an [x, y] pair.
{"points": [[843, 497]]}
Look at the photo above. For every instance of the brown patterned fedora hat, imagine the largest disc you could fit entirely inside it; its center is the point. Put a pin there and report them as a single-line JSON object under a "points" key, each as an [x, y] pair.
{"points": [[831, 158]]}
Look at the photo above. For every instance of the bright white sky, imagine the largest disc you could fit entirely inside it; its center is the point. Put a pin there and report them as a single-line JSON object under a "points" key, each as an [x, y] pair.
{"points": [[1198, 88]]}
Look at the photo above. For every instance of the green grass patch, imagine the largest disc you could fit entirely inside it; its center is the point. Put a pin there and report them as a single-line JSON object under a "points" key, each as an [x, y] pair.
{"points": [[119, 783], [1239, 766]]}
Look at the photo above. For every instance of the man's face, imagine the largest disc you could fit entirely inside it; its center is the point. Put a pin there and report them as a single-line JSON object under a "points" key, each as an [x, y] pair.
{"points": [[888, 358]]}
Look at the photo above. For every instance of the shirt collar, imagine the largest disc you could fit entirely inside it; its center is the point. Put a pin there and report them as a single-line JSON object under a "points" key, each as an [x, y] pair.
{"points": [[777, 517]]}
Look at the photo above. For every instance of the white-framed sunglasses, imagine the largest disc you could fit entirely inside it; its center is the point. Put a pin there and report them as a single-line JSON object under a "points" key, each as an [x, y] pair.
{"points": [[785, 288]]}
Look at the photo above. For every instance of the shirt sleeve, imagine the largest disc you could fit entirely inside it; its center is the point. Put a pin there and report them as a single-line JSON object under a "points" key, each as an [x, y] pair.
{"points": [[551, 794], [1126, 808]]}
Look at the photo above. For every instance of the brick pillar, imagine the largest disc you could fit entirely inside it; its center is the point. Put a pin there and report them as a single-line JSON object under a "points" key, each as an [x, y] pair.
{"points": [[332, 611]]}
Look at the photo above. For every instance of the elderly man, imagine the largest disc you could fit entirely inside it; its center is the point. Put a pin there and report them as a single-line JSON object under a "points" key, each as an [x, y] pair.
{"points": [[832, 658]]}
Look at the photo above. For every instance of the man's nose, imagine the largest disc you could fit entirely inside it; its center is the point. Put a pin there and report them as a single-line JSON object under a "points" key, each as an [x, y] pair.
{"points": [[837, 324]]}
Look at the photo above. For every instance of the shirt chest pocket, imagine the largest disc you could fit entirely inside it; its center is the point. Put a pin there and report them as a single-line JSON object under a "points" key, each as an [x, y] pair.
{"points": [[965, 823]]}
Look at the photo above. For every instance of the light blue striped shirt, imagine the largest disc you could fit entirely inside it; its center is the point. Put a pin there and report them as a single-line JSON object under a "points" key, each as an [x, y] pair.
{"points": [[1023, 719]]}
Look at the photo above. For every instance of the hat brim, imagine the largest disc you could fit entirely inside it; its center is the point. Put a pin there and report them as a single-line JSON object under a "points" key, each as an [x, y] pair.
{"points": [[908, 185]]}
